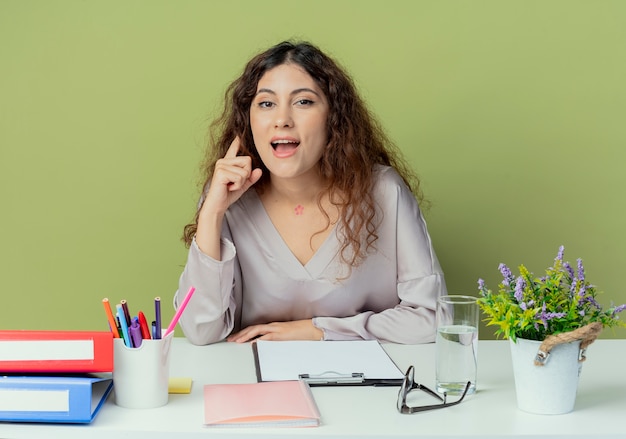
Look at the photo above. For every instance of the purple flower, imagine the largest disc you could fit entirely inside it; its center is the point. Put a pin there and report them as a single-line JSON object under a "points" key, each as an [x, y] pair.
{"points": [[572, 288], [559, 256], [589, 299], [506, 274], [545, 317], [539, 306], [554, 315], [618, 309], [519, 289], [526, 305], [569, 269], [581, 270], [594, 302]]}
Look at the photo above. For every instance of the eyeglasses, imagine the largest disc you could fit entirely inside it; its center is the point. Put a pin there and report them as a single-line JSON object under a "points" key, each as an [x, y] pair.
{"points": [[409, 384]]}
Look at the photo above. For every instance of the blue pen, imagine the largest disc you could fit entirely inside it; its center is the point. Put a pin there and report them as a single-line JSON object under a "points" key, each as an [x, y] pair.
{"points": [[135, 332], [157, 316], [120, 315]]}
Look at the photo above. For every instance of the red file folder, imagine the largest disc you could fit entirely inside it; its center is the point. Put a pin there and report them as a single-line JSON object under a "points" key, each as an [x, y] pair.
{"points": [[56, 351]]}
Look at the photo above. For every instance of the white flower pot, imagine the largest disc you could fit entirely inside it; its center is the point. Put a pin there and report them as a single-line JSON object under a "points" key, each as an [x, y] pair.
{"points": [[549, 389]]}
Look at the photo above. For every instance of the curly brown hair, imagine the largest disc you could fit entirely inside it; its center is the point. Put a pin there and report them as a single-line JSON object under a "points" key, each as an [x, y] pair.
{"points": [[356, 142]]}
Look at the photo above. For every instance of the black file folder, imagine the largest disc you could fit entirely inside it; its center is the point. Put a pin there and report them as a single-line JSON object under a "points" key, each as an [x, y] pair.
{"points": [[326, 363]]}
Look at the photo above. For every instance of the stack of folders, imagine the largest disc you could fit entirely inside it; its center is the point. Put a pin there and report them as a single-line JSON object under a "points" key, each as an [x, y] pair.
{"points": [[54, 376]]}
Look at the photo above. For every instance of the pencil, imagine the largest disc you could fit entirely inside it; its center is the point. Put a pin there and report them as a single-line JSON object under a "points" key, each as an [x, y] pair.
{"points": [[110, 318]]}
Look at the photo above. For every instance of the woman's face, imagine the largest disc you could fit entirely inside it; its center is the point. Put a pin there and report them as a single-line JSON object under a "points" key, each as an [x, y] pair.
{"points": [[288, 119]]}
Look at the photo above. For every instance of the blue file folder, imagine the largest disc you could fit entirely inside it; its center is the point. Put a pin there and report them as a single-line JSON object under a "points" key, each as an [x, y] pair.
{"points": [[46, 398]]}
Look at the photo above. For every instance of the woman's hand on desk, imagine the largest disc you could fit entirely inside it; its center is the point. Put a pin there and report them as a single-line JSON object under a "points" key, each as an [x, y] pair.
{"points": [[294, 330]]}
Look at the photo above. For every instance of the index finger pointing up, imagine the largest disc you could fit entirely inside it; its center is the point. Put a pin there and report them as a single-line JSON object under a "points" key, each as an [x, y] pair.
{"points": [[233, 149]]}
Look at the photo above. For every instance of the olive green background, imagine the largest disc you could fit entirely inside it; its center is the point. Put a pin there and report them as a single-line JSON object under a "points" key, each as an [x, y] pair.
{"points": [[512, 112]]}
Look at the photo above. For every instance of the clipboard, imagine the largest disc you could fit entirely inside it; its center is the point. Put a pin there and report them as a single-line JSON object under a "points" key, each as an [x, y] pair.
{"points": [[326, 363]]}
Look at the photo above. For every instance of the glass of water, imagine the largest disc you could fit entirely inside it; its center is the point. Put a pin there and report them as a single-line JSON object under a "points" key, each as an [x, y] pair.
{"points": [[456, 344]]}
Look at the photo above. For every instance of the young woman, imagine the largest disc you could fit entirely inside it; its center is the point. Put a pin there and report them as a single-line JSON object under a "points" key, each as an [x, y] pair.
{"points": [[308, 227]]}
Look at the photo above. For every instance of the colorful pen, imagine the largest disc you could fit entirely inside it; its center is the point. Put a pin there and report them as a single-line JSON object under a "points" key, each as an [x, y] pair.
{"points": [[179, 311], [157, 317], [143, 324], [120, 315], [126, 312], [135, 333], [119, 330], [119, 326], [110, 318]]}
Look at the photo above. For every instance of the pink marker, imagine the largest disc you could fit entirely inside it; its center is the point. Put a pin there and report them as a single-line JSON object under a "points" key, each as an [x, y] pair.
{"points": [[179, 311]]}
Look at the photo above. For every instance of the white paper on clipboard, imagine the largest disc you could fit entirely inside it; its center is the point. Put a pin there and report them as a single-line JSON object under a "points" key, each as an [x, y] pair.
{"points": [[289, 360]]}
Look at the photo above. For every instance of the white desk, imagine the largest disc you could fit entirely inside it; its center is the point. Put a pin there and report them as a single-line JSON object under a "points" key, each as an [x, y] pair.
{"points": [[370, 412]]}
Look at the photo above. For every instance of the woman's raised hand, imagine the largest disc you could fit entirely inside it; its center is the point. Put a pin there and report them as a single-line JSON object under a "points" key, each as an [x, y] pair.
{"points": [[232, 177]]}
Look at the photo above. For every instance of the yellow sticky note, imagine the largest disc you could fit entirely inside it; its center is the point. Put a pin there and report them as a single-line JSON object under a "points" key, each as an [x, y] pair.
{"points": [[179, 385]]}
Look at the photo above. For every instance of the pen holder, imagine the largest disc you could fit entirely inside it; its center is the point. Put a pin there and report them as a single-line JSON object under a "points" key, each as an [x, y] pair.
{"points": [[141, 375]]}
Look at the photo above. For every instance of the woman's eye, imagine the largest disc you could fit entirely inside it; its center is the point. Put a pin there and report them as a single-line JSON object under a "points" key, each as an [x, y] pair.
{"points": [[265, 104], [304, 102]]}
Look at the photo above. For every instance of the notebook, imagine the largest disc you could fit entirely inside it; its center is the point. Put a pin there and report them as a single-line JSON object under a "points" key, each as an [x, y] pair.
{"points": [[275, 404]]}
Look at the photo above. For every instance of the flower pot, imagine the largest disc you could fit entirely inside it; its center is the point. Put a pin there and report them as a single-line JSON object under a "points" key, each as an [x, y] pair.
{"points": [[549, 389]]}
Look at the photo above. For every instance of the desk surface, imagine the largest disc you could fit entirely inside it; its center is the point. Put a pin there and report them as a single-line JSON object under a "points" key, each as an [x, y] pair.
{"points": [[370, 412]]}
